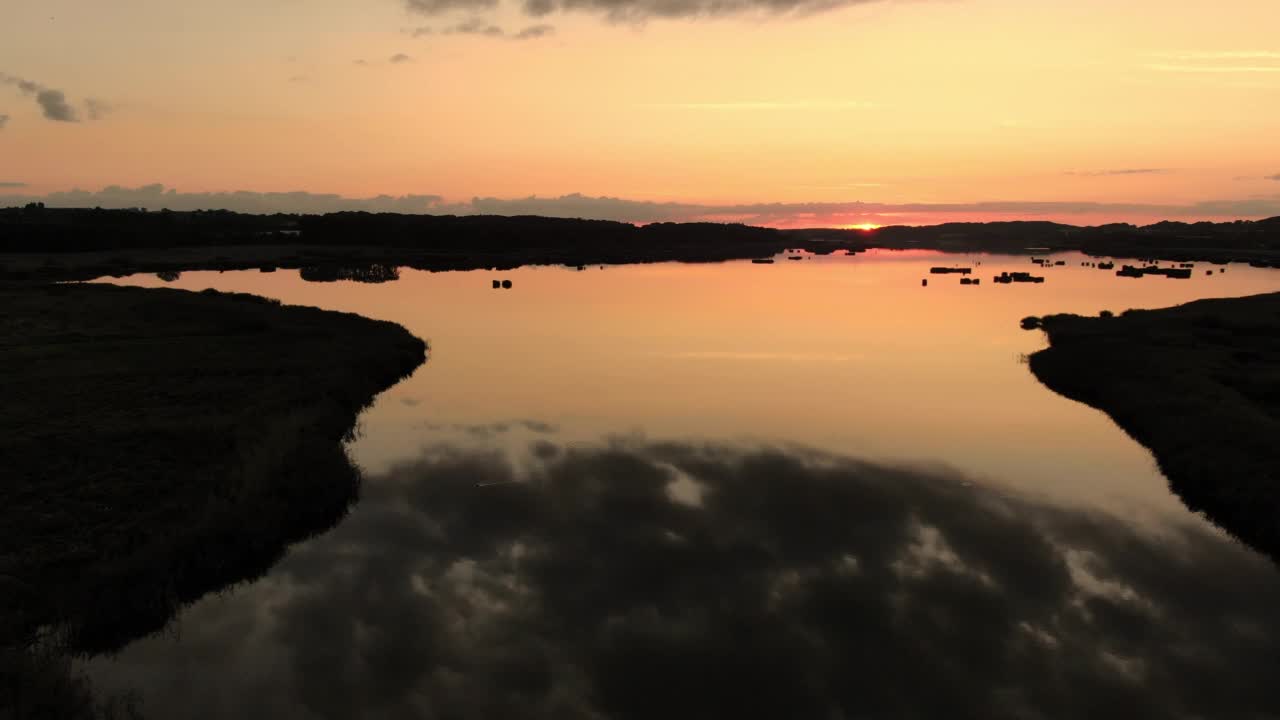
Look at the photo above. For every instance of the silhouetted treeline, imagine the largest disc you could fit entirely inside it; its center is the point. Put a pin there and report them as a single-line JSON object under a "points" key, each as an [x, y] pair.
{"points": [[457, 242], [1203, 240], [39, 229]]}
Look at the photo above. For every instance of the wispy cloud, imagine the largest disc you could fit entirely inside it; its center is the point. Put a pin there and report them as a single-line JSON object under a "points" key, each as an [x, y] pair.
{"points": [[4, 120], [1275, 177], [483, 28], [641, 10], [1122, 171], [473, 26], [435, 7], [399, 59], [535, 31], [12, 184], [97, 109], [1215, 69], [53, 103], [1219, 55], [765, 105]]}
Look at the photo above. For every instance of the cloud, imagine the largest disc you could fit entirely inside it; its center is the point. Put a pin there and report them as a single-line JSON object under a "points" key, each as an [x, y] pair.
{"points": [[4, 120], [1125, 171], [97, 109], [400, 58], [1275, 177], [792, 214], [435, 7], [631, 579], [766, 105], [641, 10], [1215, 69], [158, 197], [477, 26], [473, 26], [842, 213], [12, 184], [1221, 55], [53, 103], [55, 107], [535, 31]]}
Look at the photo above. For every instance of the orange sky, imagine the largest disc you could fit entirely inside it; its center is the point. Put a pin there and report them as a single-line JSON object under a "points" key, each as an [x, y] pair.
{"points": [[1146, 107]]}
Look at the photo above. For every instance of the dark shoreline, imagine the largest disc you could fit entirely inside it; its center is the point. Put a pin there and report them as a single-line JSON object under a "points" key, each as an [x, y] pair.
{"points": [[1197, 384], [40, 244], [161, 445]]}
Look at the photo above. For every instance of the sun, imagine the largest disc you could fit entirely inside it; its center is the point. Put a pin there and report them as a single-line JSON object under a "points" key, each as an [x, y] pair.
{"points": [[864, 226]]}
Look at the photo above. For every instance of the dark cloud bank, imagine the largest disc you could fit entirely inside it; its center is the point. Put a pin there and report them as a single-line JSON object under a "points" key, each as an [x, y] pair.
{"points": [[641, 10], [157, 197], [631, 579]]}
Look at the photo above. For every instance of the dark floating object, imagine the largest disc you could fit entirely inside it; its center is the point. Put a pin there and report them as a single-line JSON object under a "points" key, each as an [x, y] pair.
{"points": [[796, 257], [924, 282], [1061, 263], [970, 281], [497, 284], [1208, 272], [506, 284], [1030, 323], [1106, 266], [950, 271], [1021, 277], [1137, 272], [763, 261]]}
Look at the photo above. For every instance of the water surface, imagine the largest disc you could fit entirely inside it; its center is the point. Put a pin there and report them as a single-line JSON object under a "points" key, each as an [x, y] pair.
{"points": [[808, 489]]}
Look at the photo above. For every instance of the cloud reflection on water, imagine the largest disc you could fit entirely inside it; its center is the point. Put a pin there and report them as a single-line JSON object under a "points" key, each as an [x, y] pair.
{"points": [[639, 579]]}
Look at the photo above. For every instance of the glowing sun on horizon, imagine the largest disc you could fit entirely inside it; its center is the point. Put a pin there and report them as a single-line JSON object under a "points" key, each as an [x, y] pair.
{"points": [[864, 226]]}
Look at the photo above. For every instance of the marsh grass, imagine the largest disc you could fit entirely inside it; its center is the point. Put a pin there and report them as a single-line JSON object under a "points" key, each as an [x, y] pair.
{"points": [[1199, 385], [159, 445]]}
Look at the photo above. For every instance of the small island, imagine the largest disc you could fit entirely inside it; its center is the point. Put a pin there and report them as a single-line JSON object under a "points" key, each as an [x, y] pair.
{"points": [[160, 444], [1198, 384]]}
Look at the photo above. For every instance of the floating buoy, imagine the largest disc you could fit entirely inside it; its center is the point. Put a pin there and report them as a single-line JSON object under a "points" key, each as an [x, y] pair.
{"points": [[497, 284], [506, 284], [924, 282]]}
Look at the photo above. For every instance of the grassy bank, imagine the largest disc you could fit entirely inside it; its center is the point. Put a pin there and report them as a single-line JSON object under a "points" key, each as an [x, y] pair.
{"points": [[161, 444], [1199, 385]]}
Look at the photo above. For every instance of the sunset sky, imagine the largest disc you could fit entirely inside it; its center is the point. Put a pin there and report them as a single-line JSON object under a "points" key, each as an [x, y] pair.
{"points": [[782, 112]]}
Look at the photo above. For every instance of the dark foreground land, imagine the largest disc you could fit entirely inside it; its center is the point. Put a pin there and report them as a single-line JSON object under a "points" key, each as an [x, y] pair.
{"points": [[158, 445], [1199, 385], [40, 244]]}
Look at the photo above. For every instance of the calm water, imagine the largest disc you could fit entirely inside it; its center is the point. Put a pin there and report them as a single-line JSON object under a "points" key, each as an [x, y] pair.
{"points": [[808, 489]]}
